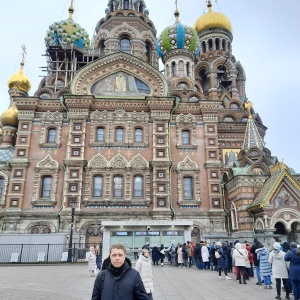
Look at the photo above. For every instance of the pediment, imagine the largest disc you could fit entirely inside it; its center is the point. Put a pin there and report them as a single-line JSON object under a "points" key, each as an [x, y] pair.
{"points": [[98, 161], [118, 162], [48, 163], [119, 75], [139, 162], [187, 164]]}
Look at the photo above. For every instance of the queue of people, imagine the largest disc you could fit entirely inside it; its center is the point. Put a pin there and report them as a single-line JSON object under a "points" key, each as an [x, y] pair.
{"points": [[282, 262]]}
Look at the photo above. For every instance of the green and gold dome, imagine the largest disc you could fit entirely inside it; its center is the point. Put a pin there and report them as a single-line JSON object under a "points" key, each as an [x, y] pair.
{"points": [[67, 32], [178, 36]]}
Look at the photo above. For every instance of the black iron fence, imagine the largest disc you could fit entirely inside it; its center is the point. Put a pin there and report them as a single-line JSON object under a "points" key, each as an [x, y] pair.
{"points": [[41, 253]]}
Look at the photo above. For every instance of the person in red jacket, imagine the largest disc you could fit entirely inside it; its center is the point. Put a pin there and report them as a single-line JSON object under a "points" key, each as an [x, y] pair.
{"points": [[251, 260]]}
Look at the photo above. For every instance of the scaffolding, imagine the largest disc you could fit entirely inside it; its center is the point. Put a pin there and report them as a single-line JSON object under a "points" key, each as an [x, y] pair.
{"points": [[64, 61]]}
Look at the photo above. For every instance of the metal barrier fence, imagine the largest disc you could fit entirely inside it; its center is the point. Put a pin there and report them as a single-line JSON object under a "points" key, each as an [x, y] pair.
{"points": [[40, 253], [49, 253]]}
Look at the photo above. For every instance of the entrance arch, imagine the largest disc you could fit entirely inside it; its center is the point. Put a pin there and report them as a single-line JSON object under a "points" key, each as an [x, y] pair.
{"points": [[280, 228], [294, 235]]}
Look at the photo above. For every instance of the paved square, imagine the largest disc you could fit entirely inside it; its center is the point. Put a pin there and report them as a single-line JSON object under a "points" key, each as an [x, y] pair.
{"points": [[54, 282]]}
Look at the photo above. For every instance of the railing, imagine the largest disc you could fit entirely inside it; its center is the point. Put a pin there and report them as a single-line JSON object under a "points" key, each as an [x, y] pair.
{"points": [[49, 253], [40, 253]]}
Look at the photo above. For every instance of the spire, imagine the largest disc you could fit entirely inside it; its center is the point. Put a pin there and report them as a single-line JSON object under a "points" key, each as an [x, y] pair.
{"points": [[209, 5], [252, 136], [71, 10], [176, 14]]}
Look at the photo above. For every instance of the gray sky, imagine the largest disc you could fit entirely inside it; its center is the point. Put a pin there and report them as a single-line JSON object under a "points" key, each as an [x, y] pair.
{"points": [[266, 42]]}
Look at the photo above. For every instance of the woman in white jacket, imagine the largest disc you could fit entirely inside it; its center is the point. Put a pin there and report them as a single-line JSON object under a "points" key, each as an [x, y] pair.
{"points": [[279, 270], [144, 267], [240, 257], [205, 256], [92, 262]]}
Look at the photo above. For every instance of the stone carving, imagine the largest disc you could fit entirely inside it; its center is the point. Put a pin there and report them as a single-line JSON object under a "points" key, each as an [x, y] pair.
{"points": [[98, 161]]}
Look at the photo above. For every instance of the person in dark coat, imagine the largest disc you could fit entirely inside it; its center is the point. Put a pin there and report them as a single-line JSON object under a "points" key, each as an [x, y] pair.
{"points": [[293, 256], [256, 262], [197, 255], [184, 255], [285, 248], [119, 280], [221, 261], [162, 254], [155, 255]]}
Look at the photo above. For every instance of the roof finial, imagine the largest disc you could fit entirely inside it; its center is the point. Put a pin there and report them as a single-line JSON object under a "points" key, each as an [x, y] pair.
{"points": [[248, 106], [23, 55], [209, 4], [176, 14], [71, 10]]}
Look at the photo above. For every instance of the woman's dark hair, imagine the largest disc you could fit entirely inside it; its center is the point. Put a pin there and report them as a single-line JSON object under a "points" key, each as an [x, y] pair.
{"points": [[260, 246]]}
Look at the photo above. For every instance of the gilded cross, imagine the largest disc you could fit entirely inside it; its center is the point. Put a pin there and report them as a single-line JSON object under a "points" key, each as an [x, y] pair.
{"points": [[109, 153], [128, 152], [24, 53]]}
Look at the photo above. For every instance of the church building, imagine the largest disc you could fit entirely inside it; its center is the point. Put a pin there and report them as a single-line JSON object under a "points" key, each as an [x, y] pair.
{"points": [[146, 155]]}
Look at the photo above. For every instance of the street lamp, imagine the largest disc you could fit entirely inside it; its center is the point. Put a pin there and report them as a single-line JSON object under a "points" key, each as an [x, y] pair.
{"points": [[73, 206]]}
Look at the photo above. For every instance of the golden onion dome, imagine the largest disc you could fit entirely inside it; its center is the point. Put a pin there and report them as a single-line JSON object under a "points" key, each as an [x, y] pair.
{"points": [[10, 117], [212, 20], [19, 81]]}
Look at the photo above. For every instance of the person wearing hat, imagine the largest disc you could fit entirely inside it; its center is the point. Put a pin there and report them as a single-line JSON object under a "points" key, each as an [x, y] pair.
{"points": [[256, 262], [144, 267], [293, 256], [279, 270]]}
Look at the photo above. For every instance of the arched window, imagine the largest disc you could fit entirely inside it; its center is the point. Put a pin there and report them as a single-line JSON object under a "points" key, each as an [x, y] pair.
{"points": [[224, 48], [173, 68], [138, 186], [118, 186], [138, 135], [126, 4], [102, 48], [119, 135], [51, 135], [188, 69], [46, 186], [185, 137], [217, 44], [210, 45], [188, 187], [100, 135], [1, 186], [203, 46], [228, 119], [148, 53], [125, 45], [234, 106], [97, 186]]}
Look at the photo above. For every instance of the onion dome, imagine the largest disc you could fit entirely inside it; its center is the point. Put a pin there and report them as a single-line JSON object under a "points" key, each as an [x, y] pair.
{"points": [[212, 20], [19, 81], [178, 36], [10, 117], [67, 32]]}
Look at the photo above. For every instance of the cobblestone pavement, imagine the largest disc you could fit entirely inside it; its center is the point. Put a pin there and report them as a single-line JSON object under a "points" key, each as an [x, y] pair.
{"points": [[70, 281]]}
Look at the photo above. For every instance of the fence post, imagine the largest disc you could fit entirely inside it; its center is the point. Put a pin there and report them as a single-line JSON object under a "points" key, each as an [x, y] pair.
{"points": [[20, 259], [47, 253], [73, 254]]}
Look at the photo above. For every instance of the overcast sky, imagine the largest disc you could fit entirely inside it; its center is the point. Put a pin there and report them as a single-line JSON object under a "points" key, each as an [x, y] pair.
{"points": [[266, 41]]}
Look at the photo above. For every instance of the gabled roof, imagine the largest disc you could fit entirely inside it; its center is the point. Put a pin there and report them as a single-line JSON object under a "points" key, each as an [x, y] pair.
{"points": [[7, 154], [278, 173]]}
